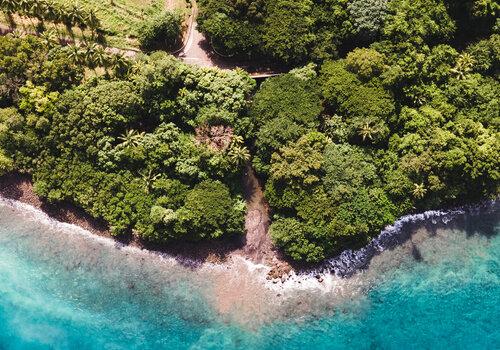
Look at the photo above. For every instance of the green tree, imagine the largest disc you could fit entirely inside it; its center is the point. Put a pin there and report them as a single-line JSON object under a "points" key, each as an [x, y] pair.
{"points": [[366, 63], [210, 212], [368, 16], [299, 164], [295, 239], [418, 21], [288, 30], [163, 30]]}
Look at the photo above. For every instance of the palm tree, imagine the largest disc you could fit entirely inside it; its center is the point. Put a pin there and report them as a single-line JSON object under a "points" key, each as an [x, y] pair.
{"points": [[237, 140], [82, 24], [24, 9], [17, 33], [120, 65], [71, 18], [149, 177], [419, 191], [38, 10], [101, 58], [92, 22], [238, 155], [76, 54], [10, 7], [367, 131], [50, 38], [96, 56], [131, 138], [137, 66], [54, 14], [464, 65]]}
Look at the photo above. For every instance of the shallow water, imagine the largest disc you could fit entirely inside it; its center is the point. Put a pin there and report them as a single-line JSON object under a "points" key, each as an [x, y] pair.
{"points": [[61, 288]]}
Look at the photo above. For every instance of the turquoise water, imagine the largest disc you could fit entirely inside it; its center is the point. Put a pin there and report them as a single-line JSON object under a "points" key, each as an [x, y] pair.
{"points": [[62, 290]]}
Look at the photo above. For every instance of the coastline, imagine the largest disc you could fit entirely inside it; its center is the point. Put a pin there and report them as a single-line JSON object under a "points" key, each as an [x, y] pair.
{"points": [[237, 293], [278, 274], [19, 187]]}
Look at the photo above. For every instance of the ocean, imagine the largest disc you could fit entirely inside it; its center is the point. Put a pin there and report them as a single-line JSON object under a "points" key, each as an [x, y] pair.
{"points": [[63, 288]]}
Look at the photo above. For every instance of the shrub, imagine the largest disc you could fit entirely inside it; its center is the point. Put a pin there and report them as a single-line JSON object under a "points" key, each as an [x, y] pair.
{"points": [[162, 30]]}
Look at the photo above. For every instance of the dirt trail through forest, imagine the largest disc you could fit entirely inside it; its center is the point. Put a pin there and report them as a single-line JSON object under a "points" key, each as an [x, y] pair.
{"points": [[258, 245]]}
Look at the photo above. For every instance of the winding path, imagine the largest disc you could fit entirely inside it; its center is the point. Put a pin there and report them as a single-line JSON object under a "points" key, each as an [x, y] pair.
{"points": [[195, 50]]}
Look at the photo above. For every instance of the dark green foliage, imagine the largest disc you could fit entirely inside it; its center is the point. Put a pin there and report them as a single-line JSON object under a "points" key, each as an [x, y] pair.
{"points": [[364, 108], [284, 108], [418, 21], [347, 170], [486, 54], [210, 212], [163, 30], [409, 124], [290, 32], [297, 240], [231, 29]]}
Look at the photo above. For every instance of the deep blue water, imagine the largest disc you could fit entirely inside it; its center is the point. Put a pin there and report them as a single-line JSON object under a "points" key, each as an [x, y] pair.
{"points": [[59, 290]]}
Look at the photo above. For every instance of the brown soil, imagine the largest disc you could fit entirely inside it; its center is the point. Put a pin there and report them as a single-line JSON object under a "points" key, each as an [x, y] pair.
{"points": [[258, 245]]}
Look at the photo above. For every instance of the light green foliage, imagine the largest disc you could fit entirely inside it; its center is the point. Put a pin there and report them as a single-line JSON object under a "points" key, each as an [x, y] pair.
{"points": [[228, 92], [366, 63]]}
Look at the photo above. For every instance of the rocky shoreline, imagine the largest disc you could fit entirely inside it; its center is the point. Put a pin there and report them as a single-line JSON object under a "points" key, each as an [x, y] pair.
{"points": [[19, 187], [194, 254]]}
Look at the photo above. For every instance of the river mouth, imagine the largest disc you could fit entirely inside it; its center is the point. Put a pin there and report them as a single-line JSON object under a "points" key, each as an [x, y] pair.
{"points": [[56, 277]]}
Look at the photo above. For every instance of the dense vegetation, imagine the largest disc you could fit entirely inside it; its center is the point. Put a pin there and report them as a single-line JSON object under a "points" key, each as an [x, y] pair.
{"points": [[298, 31], [158, 151], [406, 121], [161, 31]]}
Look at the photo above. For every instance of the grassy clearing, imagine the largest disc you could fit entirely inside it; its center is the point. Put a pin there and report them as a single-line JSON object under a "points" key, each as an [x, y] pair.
{"points": [[119, 18]]}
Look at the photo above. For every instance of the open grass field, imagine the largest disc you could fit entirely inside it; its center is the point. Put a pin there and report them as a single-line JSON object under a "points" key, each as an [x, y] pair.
{"points": [[119, 18]]}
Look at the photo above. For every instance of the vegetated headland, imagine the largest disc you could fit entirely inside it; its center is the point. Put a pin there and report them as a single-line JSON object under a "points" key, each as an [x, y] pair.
{"points": [[381, 114]]}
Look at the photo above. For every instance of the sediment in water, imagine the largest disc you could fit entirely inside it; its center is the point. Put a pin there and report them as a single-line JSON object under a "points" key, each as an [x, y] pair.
{"points": [[238, 289]]}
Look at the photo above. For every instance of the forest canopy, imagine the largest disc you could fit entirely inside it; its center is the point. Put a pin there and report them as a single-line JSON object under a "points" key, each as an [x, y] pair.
{"points": [[294, 32], [392, 107]]}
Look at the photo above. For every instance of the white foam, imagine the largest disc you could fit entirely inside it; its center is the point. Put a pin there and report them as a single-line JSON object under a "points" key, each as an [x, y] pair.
{"points": [[331, 272]]}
